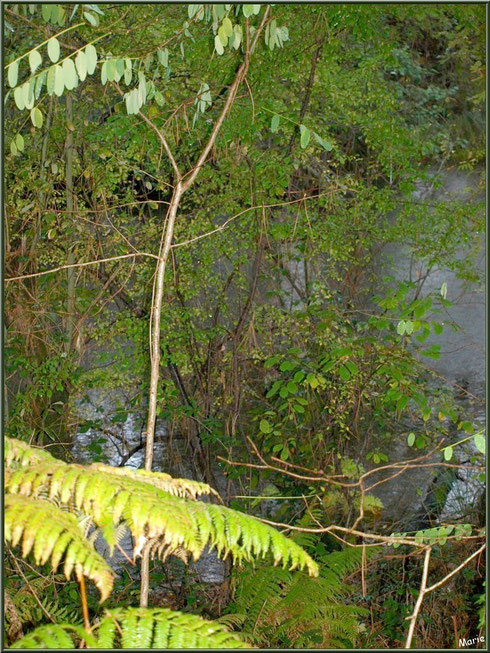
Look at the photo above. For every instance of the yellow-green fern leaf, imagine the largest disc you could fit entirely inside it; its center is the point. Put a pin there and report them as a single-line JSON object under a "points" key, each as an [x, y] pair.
{"points": [[152, 513], [23, 454], [63, 537], [179, 487]]}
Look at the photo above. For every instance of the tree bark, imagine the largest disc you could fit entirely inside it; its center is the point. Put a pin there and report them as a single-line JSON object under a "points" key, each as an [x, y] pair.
{"points": [[70, 277], [182, 184]]}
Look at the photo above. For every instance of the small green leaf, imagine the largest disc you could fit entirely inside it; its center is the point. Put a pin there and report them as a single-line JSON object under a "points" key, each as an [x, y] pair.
{"points": [[401, 327], [19, 141], [92, 18], [46, 12], [275, 123], [128, 71], [50, 80], [19, 98], [111, 70], [344, 373], [13, 74], [411, 439], [81, 64], [59, 82], [448, 453], [222, 36], [70, 74], [163, 57], [227, 26], [352, 367], [444, 290], [408, 327], [273, 391], [264, 426], [326, 144], [40, 79], [438, 328], [61, 15], [292, 387], [35, 60], [237, 36], [218, 45], [53, 49], [480, 443], [160, 100], [28, 91], [91, 54], [13, 148], [36, 117], [305, 136]]}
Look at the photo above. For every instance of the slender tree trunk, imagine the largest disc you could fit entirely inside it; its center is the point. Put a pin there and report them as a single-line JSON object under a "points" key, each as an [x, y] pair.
{"points": [[155, 324], [182, 184], [70, 295]]}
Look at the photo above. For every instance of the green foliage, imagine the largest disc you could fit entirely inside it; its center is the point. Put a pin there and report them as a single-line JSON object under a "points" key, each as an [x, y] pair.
{"points": [[276, 248], [153, 507], [61, 606], [52, 534], [109, 497], [276, 608], [137, 628]]}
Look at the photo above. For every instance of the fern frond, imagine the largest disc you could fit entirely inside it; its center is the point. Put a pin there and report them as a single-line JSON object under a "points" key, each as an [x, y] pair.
{"points": [[51, 534], [178, 487], [151, 513], [290, 610], [23, 454], [137, 628], [162, 628], [232, 620], [58, 636]]}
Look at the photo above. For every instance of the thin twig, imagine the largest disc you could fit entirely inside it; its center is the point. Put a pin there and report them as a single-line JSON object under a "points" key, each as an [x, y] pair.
{"points": [[82, 265], [420, 598]]}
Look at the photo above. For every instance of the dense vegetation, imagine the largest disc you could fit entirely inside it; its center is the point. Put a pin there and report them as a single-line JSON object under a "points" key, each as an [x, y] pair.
{"points": [[199, 201]]}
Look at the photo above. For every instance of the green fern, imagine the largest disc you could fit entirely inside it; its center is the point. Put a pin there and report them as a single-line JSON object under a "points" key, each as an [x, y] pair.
{"points": [[276, 608], [44, 498], [50, 534], [21, 453], [29, 610], [57, 636], [110, 497], [179, 487], [137, 628]]}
